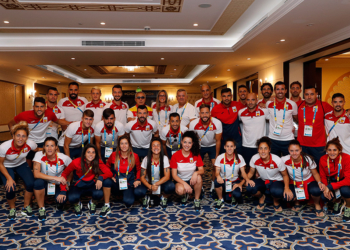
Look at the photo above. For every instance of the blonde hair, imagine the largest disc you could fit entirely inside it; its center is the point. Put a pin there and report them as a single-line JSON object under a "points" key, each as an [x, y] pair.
{"points": [[166, 101], [131, 157], [96, 87], [22, 125]]}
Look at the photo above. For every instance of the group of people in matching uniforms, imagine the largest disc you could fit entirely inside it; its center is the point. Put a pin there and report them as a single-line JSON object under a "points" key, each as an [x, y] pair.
{"points": [[148, 153]]}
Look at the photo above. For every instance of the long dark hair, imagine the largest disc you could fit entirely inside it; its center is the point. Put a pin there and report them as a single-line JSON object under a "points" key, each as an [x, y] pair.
{"points": [[304, 156], [149, 159], [95, 163], [195, 142], [50, 138], [235, 151]]}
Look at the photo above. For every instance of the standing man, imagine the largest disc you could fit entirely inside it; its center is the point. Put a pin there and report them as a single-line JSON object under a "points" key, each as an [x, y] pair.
{"points": [[282, 111], [206, 98], [120, 108], [311, 115], [140, 99], [254, 121], [186, 110], [51, 104], [96, 105], [107, 133], [227, 113], [295, 90], [242, 94], [141, 131], [266, 91], [338, 123], [73, 105], [171, 135], [72, 141]]}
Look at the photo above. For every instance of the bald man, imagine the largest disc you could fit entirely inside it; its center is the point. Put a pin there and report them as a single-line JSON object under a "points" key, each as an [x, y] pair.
{"points": [[253, 119], [207, 98]]}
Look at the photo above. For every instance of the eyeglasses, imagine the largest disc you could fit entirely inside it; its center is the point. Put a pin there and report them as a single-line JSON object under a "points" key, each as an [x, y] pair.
{"points": [[140, 97]]}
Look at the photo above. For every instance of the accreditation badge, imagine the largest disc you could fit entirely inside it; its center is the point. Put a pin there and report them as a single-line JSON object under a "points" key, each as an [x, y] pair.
{"points": [[55, 110], [337, 194], [228, 186], [51, 188], [278, 129], [300, 193], [234, 109], [123, 183], [108, 152], [308, 130], [45, 119], [157, 191]]}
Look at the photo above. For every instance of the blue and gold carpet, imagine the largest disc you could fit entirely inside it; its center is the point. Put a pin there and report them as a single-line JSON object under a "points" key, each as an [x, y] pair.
{"points": [[176, 228]]}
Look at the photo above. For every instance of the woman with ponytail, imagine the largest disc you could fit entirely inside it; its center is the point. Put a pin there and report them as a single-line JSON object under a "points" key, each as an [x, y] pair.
{"points": [[304, 178]]}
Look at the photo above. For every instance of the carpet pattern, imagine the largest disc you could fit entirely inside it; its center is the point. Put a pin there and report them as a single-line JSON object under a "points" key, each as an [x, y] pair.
{"points": [[176, 228]]}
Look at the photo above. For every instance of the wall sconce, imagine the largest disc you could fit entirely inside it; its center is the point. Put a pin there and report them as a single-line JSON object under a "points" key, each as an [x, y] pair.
{"points": [[171, 98], [109, 99], [32, 94]]}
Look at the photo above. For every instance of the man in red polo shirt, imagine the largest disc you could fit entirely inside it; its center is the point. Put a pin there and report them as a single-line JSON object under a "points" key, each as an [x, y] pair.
{"points": [[227, 113], [96, 105], [295, 90], [242, 93], [311, 115]]}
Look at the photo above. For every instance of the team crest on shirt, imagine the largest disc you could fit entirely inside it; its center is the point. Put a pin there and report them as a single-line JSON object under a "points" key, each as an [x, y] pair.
{"points": [[101, 105], [211, 127], [147, 128], [257, 113], [271, 166], [55, 110], [25, 150], [342, 120], [45, 119], [79, 103], [234, 109], [191, 160], [315, 108], [123, 106]]}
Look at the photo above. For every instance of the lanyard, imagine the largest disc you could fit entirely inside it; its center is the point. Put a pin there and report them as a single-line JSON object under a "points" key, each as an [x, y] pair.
{"points": [[153, 172], [313, 120], [127, 171], [339, 167], [212, 105], [166, 116], [182, 111], [105, 133], [178, 144], [233, 167], [302, 174], [83, 176], [47, 166], [75, 106], [38, 123], [82, 137], [329, 132], [284, 112], [206, 130], [21, 150]]}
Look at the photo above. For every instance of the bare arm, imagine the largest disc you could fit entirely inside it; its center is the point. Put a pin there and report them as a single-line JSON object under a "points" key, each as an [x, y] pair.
{"points": [[164, 148], [143, 179], [165, 178], [62, 122], [98, 145], [156, 134], [218, 144], [3, 169], [131, 119], [67, 142], [176, 177], [39, 175]]}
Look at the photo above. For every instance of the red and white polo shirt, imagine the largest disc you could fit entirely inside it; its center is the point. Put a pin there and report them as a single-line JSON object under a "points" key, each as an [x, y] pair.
{"points": [[223, 164], [100, 132], [253, 125], [37, 126], [318, 138], [63, 162], [10, 153], [156, 168], [212, 104], [187, 112], [160, 119], [73, 109], [215, 127], [306, 169], [97, 109], [341, 130], [141, 136], [52, 129], [185, 166], [268, 171], [287, 131], [120, 111], [75, 131], [167, 132], [132, 112]]}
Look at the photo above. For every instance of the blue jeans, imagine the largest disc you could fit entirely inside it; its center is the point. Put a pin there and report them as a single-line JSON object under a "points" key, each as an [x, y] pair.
{"points": [[210, 150], [40, 184], [84, 188], [276, 188], [312, 187], [315, 152], [74, 152], [26, 175], [279, 147], [166, 188]]}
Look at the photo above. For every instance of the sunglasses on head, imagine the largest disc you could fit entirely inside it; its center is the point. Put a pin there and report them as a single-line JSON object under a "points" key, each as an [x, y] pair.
{"points": [[140, 97]]}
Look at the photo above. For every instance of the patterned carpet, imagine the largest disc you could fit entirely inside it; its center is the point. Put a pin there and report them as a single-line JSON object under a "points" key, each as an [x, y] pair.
{"points": [[176, 228]]}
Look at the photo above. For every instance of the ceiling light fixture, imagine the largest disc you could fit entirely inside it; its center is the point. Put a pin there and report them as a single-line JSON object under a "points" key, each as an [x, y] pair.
{"points": [[216, 76], [175, 69], [310, 24], [18, 69], [326, 59], [131, 68], [248, 59], [228, 70], [44, 77], [6, 22], [283, 40], [162, 58], [195, 24], [73, 58], [59, 82], [102, 23], [85, 69], [204, 5]]}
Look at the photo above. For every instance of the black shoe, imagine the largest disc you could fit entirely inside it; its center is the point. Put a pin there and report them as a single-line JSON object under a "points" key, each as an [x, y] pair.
{"points": [[105, 210], [60, 206], [42, 214]]}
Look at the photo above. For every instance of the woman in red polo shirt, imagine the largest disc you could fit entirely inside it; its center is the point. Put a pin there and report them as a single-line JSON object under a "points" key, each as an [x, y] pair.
{"points": [[335, 174]]}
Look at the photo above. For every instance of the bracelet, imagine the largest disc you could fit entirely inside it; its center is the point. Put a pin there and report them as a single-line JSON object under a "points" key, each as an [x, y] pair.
{"points": [[319, 182]]}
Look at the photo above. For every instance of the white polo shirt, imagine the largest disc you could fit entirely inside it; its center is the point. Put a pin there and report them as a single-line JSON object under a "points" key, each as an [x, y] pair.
{"points": [[268, 171], [73, 109], [52, 129], [100, 132], [287, 161], [10, 153], [212, 104], [63, 162], [232, 174], [185, 166], [215, 127], [163, 118], [141, 135], [132, 112], [156, 168], [254, 125], [187, 112], [167, 132], [97, 109], [120, 111], [37, 126], [342, 129], [288, 125], [75, 131]]}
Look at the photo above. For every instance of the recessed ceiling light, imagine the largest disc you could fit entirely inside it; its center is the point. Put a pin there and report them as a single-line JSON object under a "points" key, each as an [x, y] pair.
{"points": [[102, 23], [175, 69], [171, 75], [6, 22], [59, 82], [310, 24], [207, 81], [204, 5], [195, 24], [133, 75], [237, 65], [162, 58], [228, 70], [216, 76], [44, 77], [73, 58], [85, 69], [326, 59], [248, 59], [282, 40], [18, 69]]}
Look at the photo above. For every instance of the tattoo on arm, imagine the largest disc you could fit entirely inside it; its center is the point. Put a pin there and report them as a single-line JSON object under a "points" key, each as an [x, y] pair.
{"points": [[167, 170], [143, 172]]}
